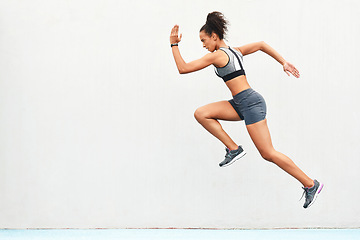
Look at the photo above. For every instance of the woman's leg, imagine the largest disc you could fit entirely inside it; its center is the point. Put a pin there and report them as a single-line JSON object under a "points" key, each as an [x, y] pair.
{"points": [[259, 133], [208, 115]]}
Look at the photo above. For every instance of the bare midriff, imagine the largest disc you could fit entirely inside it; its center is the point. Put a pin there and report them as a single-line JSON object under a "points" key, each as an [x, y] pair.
{"points": [[237, 84]]}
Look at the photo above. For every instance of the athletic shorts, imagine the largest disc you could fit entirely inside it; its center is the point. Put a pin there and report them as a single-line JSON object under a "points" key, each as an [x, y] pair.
{"points": [[250, 106]]}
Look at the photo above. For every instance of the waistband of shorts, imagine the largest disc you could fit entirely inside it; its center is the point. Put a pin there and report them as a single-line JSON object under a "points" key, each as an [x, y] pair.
{"points": [[244, 93]]}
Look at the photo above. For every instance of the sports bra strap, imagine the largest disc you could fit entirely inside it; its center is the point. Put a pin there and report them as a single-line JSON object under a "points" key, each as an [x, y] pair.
{"points": [[233, 69], [237, 57]]}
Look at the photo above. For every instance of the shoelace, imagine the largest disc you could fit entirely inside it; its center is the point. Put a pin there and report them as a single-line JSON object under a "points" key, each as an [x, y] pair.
{"points": [[306, 191], [229, 154]]}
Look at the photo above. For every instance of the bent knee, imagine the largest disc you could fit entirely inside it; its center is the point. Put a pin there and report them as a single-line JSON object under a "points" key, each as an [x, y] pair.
{"points": [[201, 114]]}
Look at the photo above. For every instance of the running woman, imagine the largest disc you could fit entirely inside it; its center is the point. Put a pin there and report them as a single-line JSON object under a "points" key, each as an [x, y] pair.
{"points": [[246, 104]]}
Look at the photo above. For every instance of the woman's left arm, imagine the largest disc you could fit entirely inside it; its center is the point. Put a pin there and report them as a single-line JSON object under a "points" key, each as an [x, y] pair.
{"points": [[182, 66]]}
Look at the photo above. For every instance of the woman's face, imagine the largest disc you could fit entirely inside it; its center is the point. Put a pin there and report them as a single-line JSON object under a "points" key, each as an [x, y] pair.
{"points": [[208, 42]]}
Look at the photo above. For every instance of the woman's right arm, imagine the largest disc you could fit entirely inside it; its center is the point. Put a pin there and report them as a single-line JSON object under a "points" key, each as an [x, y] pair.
{"points": [[253, 47]]}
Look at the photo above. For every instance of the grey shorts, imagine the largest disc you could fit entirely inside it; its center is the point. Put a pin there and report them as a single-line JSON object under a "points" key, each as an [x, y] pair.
{"points": [[250, 106]]}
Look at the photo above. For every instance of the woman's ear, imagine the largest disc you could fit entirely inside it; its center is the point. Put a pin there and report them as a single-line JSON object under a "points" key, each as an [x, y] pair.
{"points": [[214, 36]]}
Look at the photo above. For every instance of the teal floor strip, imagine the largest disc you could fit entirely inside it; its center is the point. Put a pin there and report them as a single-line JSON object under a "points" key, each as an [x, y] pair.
{"points": [[177, 234]]}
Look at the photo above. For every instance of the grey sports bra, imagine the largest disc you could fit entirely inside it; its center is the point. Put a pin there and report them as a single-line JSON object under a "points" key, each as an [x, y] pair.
{"points": [[233, 68]]}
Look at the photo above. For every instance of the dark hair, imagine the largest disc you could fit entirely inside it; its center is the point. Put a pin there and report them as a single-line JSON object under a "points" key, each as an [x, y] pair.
{"points": [[215, 23]]}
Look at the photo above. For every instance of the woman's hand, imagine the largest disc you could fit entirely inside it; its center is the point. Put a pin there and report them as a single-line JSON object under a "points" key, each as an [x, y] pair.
{"points": [[289, 68], [174, 38]]}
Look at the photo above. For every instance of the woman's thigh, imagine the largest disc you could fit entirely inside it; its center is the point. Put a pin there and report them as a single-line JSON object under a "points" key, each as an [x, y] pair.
{"points": [[260, 135], [222, 110]]}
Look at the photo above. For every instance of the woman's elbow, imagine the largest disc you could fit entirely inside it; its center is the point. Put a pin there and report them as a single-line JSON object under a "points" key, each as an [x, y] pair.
{"points": [[262, 45], [183, 70]]}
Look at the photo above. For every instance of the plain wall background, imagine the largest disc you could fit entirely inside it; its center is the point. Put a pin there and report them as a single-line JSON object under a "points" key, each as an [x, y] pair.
{"points": [[97, 126]]}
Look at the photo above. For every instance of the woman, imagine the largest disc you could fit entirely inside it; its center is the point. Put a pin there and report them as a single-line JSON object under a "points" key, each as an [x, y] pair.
{"points": [[247, 104]]}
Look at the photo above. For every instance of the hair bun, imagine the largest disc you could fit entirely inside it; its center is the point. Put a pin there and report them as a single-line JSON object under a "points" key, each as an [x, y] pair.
{"points": [[212, 17], [216, 22]]}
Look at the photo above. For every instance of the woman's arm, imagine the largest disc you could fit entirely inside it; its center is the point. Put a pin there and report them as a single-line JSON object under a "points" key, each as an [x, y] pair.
{"points": [[253, 47], [193, 66]]}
